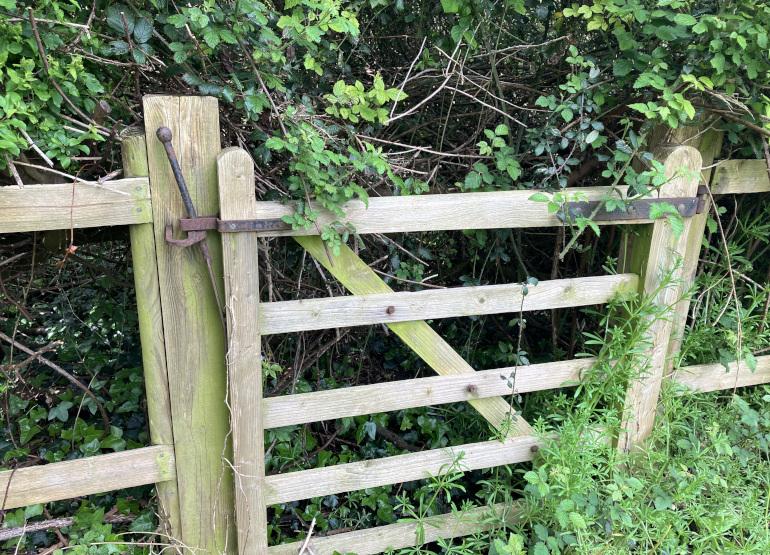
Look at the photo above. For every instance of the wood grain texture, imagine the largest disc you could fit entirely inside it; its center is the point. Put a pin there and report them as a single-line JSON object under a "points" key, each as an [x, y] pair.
{"points": [[195, 346], [317, 482], [46, 207], [403, 534], [740, 176], [240, 253], [145, 266], [360, 310], [102, 473], [360, 279], [491, 210], [385, 397], [713, 377], [709, 144], [655, 252]]}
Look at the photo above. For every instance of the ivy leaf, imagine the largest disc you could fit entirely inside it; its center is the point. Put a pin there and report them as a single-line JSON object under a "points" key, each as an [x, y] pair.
{"points": [[144, 523], [60, 411]]}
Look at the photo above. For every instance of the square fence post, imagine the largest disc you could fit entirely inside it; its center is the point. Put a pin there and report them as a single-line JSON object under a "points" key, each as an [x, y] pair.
{"points": [[194, 338]]}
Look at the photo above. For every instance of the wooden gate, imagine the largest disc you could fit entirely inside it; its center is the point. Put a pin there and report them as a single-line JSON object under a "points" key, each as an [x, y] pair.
{"points": [[206, 411]]}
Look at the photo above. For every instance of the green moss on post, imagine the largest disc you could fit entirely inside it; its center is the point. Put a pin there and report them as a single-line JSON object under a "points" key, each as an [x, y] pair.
{"points": [[195, 346], [151, 330]]}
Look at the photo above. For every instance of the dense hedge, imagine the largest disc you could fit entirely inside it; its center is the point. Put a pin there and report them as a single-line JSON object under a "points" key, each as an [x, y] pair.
{"points": [[338, 100]]}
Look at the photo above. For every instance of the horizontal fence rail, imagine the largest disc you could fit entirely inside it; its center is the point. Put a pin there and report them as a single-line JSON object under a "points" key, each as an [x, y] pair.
{"points": [[740, 176], [127, 201], [330, 404], [402, 534], [359, 310], [45, 207], [319, 482], [714, 377], [63, 480]]}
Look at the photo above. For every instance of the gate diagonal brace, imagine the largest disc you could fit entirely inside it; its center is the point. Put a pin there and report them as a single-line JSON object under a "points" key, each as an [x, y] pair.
{"points": [[638, 209]]}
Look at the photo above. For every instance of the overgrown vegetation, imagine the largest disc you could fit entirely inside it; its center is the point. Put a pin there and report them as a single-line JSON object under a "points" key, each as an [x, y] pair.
{"points": [[338, 100]]}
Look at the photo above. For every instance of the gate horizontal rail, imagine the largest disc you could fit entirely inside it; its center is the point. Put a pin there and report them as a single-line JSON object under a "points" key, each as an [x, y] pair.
{"points": [[407, 306]]}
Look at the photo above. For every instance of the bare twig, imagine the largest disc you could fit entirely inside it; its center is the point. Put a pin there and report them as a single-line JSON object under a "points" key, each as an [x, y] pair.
{"points": [[77, 179], [307, 540], [44, 58], [32, 144], [13, 170]]}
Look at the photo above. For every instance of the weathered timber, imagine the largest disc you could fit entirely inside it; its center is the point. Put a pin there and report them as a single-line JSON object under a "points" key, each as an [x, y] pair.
{"points": [[385, 397], [403, 534], [134, 149], [318, 482], [244, 365], [657, 252], [47, 207], [492, 210], [195, 341], [359, 310], [714, 377], [360, 279], [740, 176], [63, 480], [708, 143]]}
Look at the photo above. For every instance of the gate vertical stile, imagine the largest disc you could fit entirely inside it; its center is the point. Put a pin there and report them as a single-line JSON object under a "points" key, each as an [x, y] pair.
{"points": [[145, 265], [195, 346], [237, 201]]}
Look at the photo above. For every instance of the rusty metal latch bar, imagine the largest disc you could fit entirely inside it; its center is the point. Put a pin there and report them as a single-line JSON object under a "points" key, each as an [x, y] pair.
{"points": [[638, 209], [194, 225]]}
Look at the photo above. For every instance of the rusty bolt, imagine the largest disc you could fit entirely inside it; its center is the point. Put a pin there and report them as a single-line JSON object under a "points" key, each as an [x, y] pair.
{"points": [[471, 388], [534, 448], [390, 309]]}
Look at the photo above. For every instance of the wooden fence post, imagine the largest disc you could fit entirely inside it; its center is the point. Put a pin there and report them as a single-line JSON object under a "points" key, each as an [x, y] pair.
{"points": [[709, 143], [145, 267], [655, 252], [237, 201], [195, 347]]}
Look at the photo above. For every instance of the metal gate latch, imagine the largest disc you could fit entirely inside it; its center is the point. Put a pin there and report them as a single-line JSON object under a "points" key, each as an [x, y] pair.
{"points": [[638, 209], [196, 226]]}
